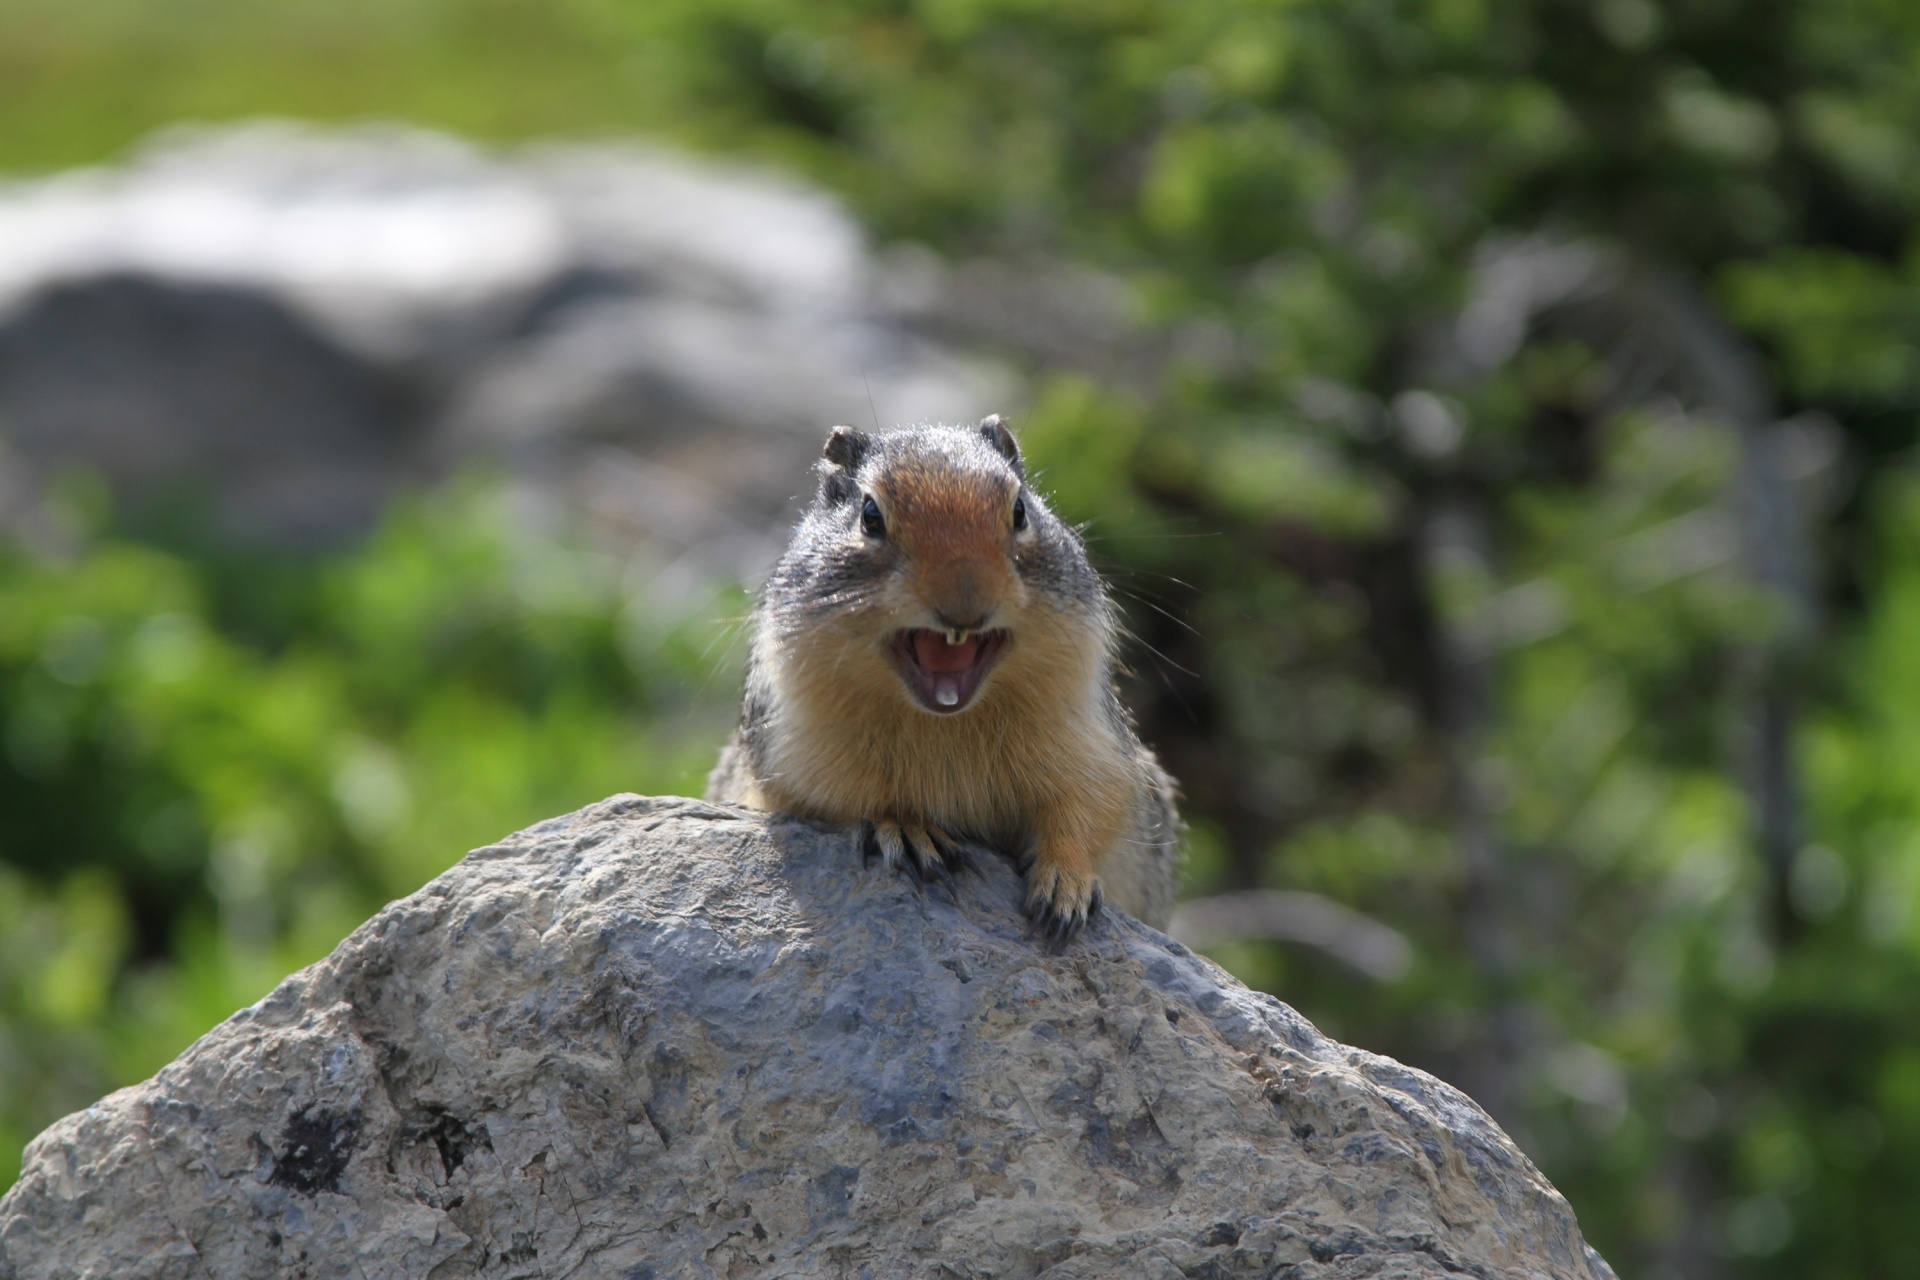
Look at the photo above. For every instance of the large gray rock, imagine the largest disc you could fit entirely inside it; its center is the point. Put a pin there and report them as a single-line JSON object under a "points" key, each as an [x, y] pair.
{"points": [[287, 322], [661, 1038]]}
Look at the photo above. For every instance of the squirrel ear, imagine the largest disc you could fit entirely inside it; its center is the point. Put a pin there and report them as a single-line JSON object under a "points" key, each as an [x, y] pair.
{"points": [[839, 460], [994, 429], [846, 447]]}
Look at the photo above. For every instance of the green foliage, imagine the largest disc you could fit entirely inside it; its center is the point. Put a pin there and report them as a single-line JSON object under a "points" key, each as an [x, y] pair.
{"points": [[195, 809], [1847, 326]]}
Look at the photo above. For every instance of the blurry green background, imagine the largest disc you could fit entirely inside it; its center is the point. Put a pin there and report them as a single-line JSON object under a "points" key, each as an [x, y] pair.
{"points": [[1572, 666]]}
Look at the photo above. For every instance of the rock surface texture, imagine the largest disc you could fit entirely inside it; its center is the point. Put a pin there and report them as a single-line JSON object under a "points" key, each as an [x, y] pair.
{"points": [[660, 1038]]}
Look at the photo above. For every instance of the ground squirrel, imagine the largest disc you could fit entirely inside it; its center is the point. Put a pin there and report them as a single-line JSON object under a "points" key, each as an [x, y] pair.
{"points": [[933, 657]]}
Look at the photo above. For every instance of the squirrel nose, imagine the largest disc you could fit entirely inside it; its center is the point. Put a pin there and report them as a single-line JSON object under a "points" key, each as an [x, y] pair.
{"points": [[962, 594], [950, 623]]}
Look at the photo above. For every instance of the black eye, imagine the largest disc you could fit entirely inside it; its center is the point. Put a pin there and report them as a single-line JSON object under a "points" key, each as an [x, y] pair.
{"points": [[871, 522], [1019, 513]]}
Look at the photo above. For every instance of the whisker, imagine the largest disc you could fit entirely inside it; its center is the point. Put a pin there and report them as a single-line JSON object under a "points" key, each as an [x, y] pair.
{"points": [[1146, 535], [1164, 660], [1130, 571], [1166, 613]]}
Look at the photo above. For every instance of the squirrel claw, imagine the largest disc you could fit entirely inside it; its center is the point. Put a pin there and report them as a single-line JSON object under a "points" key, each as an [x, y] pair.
{"points": [[1058, 915], [921, 852], [952, 853]]}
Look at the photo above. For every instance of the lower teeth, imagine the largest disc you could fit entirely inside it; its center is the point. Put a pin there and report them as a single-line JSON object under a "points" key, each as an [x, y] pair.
{"points": [[946, 696]]}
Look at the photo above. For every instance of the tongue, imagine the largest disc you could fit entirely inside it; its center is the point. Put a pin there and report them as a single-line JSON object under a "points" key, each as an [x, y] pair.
{"points": [[933, 653]]}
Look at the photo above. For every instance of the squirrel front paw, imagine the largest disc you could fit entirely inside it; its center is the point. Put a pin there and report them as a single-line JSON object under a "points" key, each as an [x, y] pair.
{"points": [[927, 853], [1060, 898]]}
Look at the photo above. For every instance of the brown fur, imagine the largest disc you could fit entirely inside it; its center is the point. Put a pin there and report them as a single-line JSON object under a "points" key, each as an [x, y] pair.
{"points": [[1040, 763]]}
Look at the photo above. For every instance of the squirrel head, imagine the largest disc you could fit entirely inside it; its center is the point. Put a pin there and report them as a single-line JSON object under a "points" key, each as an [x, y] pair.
{"points": [[933, 549]]}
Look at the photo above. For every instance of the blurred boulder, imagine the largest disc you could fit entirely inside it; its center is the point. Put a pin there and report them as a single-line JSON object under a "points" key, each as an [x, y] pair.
{"points": [[290, 322], [665, 1038], [201, 392]]}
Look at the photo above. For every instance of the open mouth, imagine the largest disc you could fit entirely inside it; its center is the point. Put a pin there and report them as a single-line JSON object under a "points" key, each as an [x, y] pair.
{"points": [[944, 668]]}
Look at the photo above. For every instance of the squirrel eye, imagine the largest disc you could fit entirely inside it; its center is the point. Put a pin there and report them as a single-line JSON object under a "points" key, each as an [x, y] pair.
{"points": [[1019, 513], [871, 522]]}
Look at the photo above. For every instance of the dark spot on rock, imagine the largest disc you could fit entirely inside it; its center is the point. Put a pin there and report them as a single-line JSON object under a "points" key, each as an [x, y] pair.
{"points": [[263, 1159], [1137, 1151], [522, 1250], [1342, 1246], [759, 1232], [1300, 1036], [1303, 1131], [1229, 1268], [892, 1116], [1371, 1148], [315, 1146], [667, 1073], [1161, 971], [1218, 1234], [1054, 1252], [958, 968], [640, 1272], [453, 1138], [1173, 1015], [829, 1193], [646, 1109]]}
